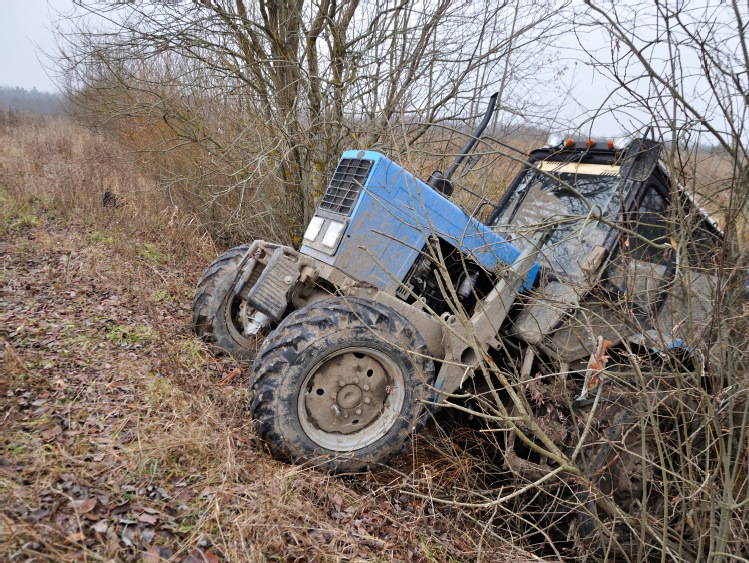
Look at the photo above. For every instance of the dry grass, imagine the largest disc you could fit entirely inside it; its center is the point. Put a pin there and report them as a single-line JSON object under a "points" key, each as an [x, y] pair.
{"points": [[119, 440], [124, 438]]}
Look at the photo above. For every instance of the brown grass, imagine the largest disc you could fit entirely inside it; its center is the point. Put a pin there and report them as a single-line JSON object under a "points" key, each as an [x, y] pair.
{"points": [[119, 440]]}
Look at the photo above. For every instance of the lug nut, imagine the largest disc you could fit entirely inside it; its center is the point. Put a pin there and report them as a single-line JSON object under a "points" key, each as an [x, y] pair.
{"points": [[345, 415], [356, 380], [366, 387], [288, 280], [358, 411], [342, 383], [367, 400]]}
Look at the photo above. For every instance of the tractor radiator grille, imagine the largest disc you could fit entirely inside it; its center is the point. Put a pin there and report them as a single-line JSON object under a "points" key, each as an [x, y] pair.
{"points": [[344, 188]]}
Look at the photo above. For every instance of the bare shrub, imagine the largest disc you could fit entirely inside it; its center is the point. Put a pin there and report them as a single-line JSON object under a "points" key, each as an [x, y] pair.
{"points": [[245, 108]]}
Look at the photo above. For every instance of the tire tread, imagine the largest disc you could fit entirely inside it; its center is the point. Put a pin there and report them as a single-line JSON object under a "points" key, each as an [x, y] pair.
{"points": [[315, 321]]}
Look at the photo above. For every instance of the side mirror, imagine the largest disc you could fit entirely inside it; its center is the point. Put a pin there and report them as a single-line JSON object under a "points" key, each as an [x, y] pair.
{"points": [[640, 159]]}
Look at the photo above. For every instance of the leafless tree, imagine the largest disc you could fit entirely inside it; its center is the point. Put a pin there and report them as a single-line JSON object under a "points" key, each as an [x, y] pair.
{"points": [[278, 88], [655, 468]]}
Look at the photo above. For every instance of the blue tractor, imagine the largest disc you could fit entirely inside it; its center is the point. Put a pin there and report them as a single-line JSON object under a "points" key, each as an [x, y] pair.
{"points": [[398, 300]]}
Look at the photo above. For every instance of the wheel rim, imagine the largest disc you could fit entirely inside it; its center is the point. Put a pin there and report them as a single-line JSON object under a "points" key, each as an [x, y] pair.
{"points": [[351, 398]]}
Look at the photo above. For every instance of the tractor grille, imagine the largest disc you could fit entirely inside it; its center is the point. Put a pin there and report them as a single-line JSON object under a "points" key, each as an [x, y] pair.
{"points": [[344, 188]]}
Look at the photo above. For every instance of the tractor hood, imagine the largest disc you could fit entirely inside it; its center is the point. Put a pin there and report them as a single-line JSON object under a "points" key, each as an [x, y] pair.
{"points": [[375, 218]]}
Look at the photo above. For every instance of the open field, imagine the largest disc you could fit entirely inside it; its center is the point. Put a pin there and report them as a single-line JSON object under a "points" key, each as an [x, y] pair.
{"points": [[123, 437]]}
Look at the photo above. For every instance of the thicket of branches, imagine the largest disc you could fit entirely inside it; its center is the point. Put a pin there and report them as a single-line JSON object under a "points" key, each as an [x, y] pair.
{"points": [[654, 466], [243, 108], [253, 102]]}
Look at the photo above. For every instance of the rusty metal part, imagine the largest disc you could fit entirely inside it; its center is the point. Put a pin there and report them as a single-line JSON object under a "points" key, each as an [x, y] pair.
{"points": [[594, 373], [351, 398]]}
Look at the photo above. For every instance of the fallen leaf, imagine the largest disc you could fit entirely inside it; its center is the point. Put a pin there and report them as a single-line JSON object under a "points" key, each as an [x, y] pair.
{"points": [[84, 506], [39, 514], [120, 508], [337, 501], [153, 555], [101, 527], [207, 491], [75, 538], [147, 518]]}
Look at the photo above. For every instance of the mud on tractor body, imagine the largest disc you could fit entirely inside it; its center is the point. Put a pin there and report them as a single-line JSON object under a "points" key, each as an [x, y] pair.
{"points": [[398, 299]]}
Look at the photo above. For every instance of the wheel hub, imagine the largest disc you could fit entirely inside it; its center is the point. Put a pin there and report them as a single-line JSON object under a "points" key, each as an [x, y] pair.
{"points": [[347, 393], [349, 397]]}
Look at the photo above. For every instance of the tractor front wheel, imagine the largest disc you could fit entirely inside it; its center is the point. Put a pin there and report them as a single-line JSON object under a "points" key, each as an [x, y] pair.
{"points": [[341, 384], [218, 315]]}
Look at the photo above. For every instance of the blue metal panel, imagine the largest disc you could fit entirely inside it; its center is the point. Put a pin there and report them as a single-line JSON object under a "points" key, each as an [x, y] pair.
{"points": [[392, 220]]}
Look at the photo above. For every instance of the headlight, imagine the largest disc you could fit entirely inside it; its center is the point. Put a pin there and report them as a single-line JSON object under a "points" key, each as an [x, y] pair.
{"points": [[313, 229], [555, 140], [333, 234]]}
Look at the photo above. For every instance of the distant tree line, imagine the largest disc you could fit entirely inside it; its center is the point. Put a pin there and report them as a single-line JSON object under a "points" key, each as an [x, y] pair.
{"points": [[15, 98]]}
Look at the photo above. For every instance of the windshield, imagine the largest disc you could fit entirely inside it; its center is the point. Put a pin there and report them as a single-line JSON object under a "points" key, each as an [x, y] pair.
{"points": [[544, 199]]}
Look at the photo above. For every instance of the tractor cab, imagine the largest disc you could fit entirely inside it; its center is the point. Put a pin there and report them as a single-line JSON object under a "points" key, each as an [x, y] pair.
{"points": [[611, 216]]}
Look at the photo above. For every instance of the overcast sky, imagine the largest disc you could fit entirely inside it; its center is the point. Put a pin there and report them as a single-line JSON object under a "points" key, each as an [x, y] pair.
{"points": [[24, 31], [26, 35]]}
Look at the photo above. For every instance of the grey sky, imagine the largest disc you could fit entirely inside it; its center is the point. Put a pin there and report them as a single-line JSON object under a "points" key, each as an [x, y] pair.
{"points": [[23, 25], [26, 34]]}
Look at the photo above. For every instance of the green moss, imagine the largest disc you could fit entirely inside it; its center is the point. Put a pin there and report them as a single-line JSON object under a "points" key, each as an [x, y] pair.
{"points": [[131, 334], [150, 252], [100, 238]]}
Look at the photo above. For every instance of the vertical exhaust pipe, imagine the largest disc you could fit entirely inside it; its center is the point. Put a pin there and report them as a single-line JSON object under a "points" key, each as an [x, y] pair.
{"points": [[441, 182]]}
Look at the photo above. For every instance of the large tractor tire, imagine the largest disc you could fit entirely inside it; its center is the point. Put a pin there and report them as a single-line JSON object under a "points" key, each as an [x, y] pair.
{"points": [[622, 470], [341, 385], [216, 313]]}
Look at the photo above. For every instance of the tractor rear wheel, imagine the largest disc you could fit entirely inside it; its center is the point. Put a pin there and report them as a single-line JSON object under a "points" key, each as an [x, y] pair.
{"points": [[341, 384], [639, 464]]}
